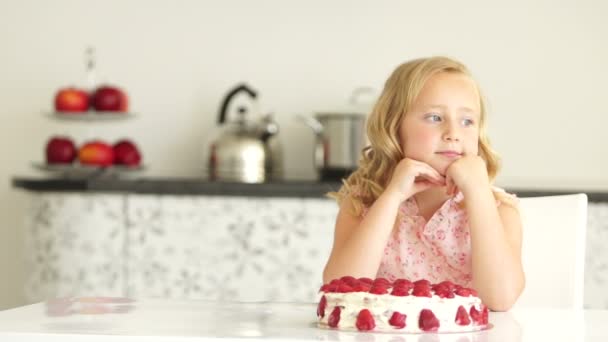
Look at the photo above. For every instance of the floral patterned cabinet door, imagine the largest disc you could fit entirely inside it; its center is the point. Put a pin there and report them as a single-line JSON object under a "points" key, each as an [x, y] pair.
{"points": [[74, 245], [230, 248]]}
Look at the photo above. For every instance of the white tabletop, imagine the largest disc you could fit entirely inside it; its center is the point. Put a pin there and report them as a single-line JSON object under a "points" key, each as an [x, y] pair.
{"points": [[99, 319]]}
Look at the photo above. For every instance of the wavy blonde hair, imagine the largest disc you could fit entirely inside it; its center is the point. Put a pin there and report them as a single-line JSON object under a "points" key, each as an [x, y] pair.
{"points": [[379, 159]]}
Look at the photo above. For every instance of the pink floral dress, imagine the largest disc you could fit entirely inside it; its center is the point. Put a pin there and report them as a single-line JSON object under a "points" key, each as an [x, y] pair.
{"points": [[437, 250]]}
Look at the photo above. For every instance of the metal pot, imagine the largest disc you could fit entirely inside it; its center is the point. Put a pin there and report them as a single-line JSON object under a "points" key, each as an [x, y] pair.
{"points": [[340, 137]]}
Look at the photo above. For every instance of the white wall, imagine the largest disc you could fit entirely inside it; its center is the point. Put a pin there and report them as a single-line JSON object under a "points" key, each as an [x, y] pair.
{"points": [[541, 64]]}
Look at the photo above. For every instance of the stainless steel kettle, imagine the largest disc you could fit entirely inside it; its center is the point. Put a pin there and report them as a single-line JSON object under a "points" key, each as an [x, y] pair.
{"points": [[246, 151]]}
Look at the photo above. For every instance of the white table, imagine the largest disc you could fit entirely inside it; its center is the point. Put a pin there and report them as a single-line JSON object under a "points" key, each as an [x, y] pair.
{"points": [[99, 319]]}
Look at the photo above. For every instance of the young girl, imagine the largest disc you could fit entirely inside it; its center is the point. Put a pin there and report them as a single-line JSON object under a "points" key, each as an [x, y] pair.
{"points": [[421, 204]]}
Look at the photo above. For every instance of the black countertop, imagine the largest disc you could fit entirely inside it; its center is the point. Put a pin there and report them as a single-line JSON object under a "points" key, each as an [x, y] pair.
{"points": [[195, 186], [179, 186]]}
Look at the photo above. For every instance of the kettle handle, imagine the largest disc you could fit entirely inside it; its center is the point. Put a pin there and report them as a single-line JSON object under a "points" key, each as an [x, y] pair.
{"points": [[239, 88]]}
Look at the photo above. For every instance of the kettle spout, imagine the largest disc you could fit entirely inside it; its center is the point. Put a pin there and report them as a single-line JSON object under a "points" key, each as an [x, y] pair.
{"points": [[268, 127]]}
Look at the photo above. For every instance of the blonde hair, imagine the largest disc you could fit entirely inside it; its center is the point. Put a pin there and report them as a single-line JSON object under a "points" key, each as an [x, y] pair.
{"points": [[379, 159]]}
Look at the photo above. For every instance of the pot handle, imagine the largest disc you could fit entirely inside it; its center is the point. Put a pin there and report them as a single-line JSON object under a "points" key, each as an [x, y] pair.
{"points": [[311, 122], [321, 149]]}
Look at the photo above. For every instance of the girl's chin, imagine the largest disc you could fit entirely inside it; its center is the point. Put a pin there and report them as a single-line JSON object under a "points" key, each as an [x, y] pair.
{"points": [[440, 168]]}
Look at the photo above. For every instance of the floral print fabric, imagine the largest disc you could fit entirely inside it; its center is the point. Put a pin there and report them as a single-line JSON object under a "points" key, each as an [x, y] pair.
{"points": [[437, 250]]}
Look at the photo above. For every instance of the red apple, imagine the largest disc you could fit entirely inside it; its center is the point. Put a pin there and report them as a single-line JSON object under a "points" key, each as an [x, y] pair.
{"points": [[71, 100], [110, 99], [97, 153], [126, 153], [60, 150]]}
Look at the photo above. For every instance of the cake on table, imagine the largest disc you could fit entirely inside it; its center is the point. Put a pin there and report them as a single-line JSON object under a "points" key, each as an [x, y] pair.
{"points": [[401, 306]]}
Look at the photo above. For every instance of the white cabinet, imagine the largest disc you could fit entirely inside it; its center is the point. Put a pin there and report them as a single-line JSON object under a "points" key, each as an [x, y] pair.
{"points": [[205, 247], [596, 260]]}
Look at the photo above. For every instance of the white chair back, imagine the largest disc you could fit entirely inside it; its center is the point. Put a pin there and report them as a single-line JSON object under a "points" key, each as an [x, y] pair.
{"points": [[553, 250]]}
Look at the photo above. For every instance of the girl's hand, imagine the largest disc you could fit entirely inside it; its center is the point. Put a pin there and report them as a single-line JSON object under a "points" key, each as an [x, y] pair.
{"points": [[467, 174], [411, 177]]}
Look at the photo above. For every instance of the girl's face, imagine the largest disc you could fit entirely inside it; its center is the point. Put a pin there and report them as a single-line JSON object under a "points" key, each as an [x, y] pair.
{"points": [[443, 123]]}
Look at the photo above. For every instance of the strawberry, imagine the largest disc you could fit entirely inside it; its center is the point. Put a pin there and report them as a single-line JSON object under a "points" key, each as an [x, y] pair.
{"points": [[464, 292], [361, 288], [448, 284], [321, 307], [403, 282], [422, 291], [424, 282], [365, 320], [378, 289], [400, 291], [427, 321], [397, 320], [443, 291], [334, 317], [366, 281], [332, 288], [476, 316], [344, 288], [462, 317], [445, 294], [335, 282], [348, 280], [484, 315], [382, 281]]}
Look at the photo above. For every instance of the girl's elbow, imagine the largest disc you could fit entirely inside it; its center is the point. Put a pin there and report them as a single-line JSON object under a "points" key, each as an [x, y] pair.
{"points": [[500, 305], [505, 301]]}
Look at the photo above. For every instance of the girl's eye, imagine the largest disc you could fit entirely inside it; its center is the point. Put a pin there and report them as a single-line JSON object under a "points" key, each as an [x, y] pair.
{"points": [[468, 122], [433, 117]]}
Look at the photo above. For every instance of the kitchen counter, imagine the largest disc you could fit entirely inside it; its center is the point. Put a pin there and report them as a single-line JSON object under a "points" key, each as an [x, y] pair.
{"points": [[179, 186], [107, 319], [201, 186]]}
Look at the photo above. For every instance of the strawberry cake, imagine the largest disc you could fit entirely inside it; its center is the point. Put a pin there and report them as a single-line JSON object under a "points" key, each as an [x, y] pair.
{"points": [[401, 306]]}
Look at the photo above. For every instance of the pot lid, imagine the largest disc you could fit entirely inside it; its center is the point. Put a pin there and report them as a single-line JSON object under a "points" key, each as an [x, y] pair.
{"points": [[359, 105], [340, 115]]}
